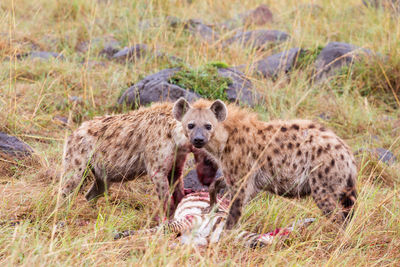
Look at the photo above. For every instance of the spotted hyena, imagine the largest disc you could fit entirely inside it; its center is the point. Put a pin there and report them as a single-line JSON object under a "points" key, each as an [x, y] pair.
{"points": [[289, 158], [122, 147]]}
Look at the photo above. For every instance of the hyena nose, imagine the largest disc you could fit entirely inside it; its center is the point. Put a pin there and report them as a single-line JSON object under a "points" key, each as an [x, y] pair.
{"points": [[199, 142]]}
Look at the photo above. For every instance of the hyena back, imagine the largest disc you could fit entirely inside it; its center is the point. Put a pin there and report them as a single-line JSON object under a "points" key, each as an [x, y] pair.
{"points": [[121, 147], [289, 158]]}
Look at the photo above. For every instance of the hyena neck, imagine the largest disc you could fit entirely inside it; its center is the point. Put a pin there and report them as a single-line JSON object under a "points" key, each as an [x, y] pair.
{"points": [[218, 141]]}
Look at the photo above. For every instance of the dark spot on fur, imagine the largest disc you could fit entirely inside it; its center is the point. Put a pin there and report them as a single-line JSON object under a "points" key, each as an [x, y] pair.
{"points": [[294, 166], [332, 162], [298, 153], [283, 129], [294, 137], [254, 155], [322, 129], [259, 132], [276, 151], [312, 157], [311, 126], [328, 147], [341, 157], [269, 158], [327, 170], [295, 126], [269, 128], [346, 201], [313, 180], [77, 162], [323, 191], [338, 146], [319, 151], [107, 119], [282, 146], [227, 149], [350, 182], [277, 139], [297, 144], [319, 175], [169, 135], [290, 145]]}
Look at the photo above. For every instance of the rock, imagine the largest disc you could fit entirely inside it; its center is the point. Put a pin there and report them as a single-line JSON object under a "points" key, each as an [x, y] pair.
{"points": [[191, 181], [14, 147], [110, 48], [61, 120], [380, 154], [156, 87], [131, 54], [271, 66], [76, 99], [334, 56], [258, 16], [201, 30], [258, 39], [241, 89], [393, 5], [107, 45], [41, 55]]}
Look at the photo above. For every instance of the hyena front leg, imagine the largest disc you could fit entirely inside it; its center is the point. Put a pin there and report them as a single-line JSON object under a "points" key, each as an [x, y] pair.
{"points": [[99, 186], [213, 190], [241, 195]]}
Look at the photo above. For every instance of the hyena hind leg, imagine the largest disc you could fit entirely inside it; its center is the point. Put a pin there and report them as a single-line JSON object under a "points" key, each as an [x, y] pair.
{"points": [[335, 200]]}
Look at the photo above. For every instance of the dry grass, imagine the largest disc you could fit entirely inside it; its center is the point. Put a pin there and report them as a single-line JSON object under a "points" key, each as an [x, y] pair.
{"points": [[35, 230]]}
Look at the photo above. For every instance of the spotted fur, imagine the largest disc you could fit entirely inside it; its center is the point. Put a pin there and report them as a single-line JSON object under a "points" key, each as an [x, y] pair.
{"points": [[122, 147], [291, 158]]}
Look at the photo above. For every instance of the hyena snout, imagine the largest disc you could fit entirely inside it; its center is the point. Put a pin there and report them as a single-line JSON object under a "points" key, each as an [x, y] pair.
{"points": [[199, 139]]}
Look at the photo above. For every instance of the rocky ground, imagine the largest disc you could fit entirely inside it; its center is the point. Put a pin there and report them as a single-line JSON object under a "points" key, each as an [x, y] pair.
{"points": [[64, 62]]}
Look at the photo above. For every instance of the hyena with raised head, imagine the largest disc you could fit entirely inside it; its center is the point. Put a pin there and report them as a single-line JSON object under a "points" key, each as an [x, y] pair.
{"points": [[121, 147], [289, 158]]}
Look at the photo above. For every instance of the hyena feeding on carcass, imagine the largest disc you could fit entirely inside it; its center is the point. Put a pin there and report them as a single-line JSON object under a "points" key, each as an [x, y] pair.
{"points": [[122, 147], [289, 158]]}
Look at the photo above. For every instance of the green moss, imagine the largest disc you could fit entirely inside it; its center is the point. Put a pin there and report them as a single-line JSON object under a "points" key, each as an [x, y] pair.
{"points": [[204, 80], [307, 57]]}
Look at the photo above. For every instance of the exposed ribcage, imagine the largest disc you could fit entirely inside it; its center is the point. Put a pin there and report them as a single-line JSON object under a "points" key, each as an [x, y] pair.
{"points": [[197, 225]]}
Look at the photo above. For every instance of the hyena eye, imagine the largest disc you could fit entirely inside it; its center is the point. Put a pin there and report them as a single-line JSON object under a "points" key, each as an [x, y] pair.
{"points": [[190, 126], [208, 126]]}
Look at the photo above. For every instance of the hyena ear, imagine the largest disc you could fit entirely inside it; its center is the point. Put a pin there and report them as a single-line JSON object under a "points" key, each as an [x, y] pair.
{"points": [[219, 109], [181, 106]]}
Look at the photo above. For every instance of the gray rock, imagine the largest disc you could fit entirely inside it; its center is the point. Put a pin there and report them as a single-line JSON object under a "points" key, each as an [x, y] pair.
{"points": [[41, 55], [257, 39], [110, 48], [393, 5], [258, 16], [12, 146], [384, 155], [241, 89], [381, 154], [334, 56], [131, 54], [203, 31], [191, 181], [271, 66], [155, 88]]}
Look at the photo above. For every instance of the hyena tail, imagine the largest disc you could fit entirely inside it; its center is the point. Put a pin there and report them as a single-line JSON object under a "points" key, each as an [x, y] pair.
{"points": [[347, 199]]}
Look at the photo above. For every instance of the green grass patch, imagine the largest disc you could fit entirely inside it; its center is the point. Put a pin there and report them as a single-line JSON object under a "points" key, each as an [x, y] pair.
{"points": [[204, 80]]}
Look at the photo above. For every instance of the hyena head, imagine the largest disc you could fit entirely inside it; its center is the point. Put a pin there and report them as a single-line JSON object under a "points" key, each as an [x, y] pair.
{"points": [[199, 122]]}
